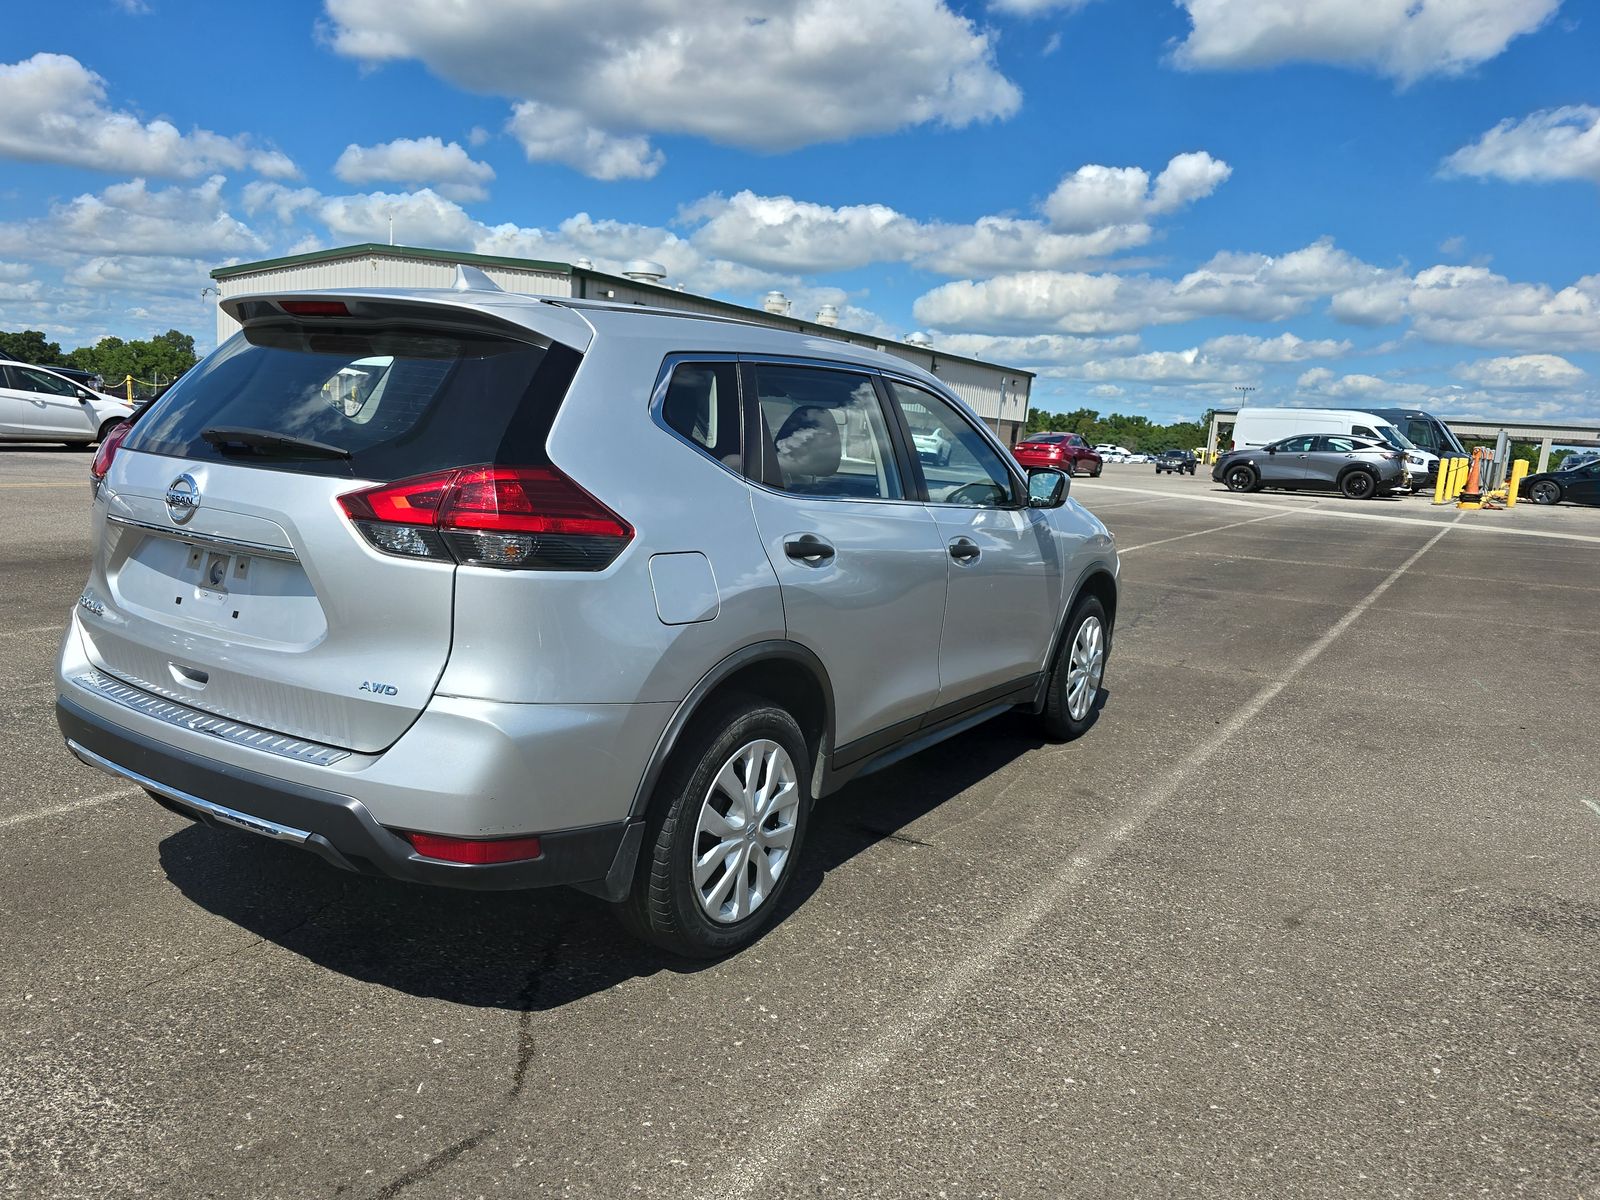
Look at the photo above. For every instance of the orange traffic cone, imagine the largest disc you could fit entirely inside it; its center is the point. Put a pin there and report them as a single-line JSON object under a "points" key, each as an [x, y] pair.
{"points": [[1472, 494]]}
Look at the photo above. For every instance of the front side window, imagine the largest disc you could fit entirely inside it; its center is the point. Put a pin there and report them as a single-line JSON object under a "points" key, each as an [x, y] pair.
{"points": [[958, 464], [702, 405], [823, 434], [1422, 433], [29, 380]]}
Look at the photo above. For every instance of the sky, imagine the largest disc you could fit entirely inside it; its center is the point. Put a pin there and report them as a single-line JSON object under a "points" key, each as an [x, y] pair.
{"points": [[1150, 204]]}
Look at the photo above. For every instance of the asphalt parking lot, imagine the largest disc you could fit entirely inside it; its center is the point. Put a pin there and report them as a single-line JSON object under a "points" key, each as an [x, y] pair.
{"points": [[1314, 910]]}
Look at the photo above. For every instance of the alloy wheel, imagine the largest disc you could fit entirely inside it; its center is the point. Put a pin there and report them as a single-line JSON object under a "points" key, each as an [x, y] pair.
{"points": [[745, 831], [1544, 492], [1086, 667]]}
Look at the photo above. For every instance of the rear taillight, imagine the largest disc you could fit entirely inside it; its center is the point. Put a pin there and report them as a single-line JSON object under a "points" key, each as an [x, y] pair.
{"points": [[108, 451], [476, 851], [528, 518]]}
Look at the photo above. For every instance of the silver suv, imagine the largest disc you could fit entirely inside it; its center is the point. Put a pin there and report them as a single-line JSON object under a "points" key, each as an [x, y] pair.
{"points": [[494, 591]]}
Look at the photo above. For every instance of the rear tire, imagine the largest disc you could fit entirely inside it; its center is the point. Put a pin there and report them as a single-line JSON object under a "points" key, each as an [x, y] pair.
{"points": [[1358, 485], [1546, 491], [1078, 670], [724, 833], [1242, 479]]}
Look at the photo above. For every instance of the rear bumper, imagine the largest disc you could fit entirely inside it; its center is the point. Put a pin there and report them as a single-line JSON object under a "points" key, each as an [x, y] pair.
{"points": [[337, 827]]}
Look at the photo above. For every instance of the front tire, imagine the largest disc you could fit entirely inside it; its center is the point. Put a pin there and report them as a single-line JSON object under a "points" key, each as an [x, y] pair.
{"points": [[724, 832], [1076, 674], [1094, 471], [1241, 479], [1546, 491]]}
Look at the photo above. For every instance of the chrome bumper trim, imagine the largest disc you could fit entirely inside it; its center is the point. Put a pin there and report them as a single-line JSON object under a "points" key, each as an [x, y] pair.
{"points": [[218, 812], [172, 713], [215, 541]]}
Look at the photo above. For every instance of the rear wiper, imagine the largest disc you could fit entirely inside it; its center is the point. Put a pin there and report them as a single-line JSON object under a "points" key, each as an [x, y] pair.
{"points": [[267, 442]]}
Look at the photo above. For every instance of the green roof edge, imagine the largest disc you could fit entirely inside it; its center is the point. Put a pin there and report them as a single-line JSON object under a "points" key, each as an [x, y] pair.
{"points": [[338, 252], [534, 264]]}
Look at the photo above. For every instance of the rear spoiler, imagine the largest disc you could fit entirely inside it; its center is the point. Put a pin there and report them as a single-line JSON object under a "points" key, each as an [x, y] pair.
{"points": [[473, 300]]}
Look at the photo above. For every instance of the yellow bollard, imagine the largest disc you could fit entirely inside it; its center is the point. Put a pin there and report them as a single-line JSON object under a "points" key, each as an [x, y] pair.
{"points": [[1442, 480], [129, 381], [1519, 469]]}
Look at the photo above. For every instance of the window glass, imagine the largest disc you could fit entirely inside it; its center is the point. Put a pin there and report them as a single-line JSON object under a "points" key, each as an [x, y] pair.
{"points": [[1299, 445], [1364, 431], [960, 467], [42, 381], [1422, 433], [400, 401], [823, 434], [702, 404], [1338, 445]]}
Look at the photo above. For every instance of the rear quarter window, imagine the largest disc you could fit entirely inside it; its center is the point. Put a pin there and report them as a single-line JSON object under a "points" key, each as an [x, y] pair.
{"points": [[402, 402]]}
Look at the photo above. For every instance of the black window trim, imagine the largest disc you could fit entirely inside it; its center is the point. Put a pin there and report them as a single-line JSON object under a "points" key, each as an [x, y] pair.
{"points": [[658, 398], [1019, 486], [750, 393]]}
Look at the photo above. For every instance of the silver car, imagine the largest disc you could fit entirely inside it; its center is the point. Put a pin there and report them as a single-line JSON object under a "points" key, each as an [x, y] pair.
{"points": [[1356, 467], [41, 405], [494, 591]]}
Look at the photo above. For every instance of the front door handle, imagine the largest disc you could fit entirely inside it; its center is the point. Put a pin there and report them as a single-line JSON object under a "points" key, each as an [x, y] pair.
{"points": [[964, 549], [808, 548]]}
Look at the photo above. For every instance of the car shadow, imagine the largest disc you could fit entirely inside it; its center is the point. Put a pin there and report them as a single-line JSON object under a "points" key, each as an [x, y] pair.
{"points": [[535, 950]]}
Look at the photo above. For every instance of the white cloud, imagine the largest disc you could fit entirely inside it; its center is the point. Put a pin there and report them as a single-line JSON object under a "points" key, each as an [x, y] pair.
{"points": [[1285, 348], [1553, 143], [131, 218], [551, 134], [1403, 39], [1474, 306], [417, 162], [52, 109], [283, 202], [1525, 372], [1045, 349], [1097, 196], [802, 72], [1158, 367], [421, 218], [1254, 286], [145, 275], [477, 136]]}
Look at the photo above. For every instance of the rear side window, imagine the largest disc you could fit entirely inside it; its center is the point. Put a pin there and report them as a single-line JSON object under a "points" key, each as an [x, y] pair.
{"points": [[701, 405], [823, 433], [401, 402]]}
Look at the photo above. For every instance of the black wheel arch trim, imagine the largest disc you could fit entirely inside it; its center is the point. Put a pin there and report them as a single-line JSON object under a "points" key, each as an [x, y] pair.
{"points": [[772, 650], [1084, 576]]}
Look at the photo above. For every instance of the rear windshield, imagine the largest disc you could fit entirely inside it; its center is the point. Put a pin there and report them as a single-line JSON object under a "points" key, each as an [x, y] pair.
{"points": [[402, 402]]}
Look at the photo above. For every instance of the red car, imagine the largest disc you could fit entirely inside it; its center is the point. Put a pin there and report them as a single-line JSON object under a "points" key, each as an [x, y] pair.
{"points": [[1064, 451]]}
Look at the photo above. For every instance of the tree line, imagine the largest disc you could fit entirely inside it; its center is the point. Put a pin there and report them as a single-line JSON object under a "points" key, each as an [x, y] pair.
{"points": [[156, 360], [1139, 434]]}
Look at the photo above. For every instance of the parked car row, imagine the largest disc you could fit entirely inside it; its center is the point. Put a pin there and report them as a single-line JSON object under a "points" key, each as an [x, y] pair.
{"points": [[43, 404]]}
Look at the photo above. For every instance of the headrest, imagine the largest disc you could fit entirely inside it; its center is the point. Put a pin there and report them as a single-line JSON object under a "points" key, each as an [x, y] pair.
{"points": [[809, 443]]}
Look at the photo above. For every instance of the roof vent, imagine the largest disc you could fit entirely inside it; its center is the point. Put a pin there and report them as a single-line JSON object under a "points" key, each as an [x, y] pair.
{"points": [[642, 270], [584, 264], [776, 303], [919, 339], [828, 314]]}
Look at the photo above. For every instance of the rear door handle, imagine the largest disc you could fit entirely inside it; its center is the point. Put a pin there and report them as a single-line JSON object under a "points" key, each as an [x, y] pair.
{"points": [[964, 549], [808, 548]]}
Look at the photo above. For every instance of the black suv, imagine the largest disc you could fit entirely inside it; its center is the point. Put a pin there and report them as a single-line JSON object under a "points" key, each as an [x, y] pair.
{"points": [[1180, 461]]}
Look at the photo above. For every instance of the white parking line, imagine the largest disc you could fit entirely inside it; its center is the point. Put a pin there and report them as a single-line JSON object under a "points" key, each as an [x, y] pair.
{"points": [[62, 809], [1315, 509], [1203, 532], [762, 1155], [56, 628], [1592, 805]]}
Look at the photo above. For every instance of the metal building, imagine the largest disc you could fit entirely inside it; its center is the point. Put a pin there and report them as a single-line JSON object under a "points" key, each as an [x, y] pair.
{"points": [[998, 394]]}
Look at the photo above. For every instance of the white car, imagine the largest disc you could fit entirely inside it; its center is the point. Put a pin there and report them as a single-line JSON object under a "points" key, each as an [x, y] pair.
{"points": [[933, 445], [1139, 458], [38, 405]]}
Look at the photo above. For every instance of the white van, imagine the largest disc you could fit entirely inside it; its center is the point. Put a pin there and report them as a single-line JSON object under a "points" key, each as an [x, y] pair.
{"points": [[1261, 426]]}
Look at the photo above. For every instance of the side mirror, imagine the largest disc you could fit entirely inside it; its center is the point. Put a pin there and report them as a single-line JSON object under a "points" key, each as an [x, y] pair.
{"points": [[1047, 488], [1272, 449]]}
